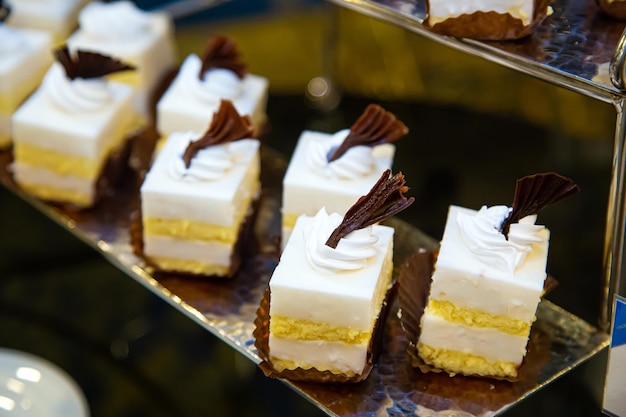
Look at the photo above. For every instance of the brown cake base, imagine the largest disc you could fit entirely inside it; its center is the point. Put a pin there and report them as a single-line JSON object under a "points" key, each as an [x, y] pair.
{"points": [[490, 25]]}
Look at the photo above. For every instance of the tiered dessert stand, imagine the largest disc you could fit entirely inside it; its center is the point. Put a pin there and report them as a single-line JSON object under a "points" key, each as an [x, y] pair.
{"points": [[560, 52]]}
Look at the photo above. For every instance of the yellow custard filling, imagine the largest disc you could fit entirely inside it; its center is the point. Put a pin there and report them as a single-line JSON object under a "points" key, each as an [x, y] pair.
{"points": [[191, 230], [477, 318], [465, 363]]}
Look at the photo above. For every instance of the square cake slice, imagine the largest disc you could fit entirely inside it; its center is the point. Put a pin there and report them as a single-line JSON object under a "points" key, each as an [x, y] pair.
{"points": [[198, 195], [25, 56], [143, 39], [67, 131], [202, 81], [359, 155], [329, 288], [487, 283]]}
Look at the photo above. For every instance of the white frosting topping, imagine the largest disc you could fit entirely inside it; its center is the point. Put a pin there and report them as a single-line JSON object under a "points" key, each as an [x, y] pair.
{"points": [[482, 236], [208, 164], [117, 20], [357, 162], [352, 253], [12, 41], [218, 83], [78, 95]]}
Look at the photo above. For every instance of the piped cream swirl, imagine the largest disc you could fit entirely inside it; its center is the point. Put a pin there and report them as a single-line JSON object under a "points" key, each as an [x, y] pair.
{"points": [[355, 163], [218, 83], [481, 234], [78, 95], [352, 252], [208, 164], [113, 21], [11, 40]]}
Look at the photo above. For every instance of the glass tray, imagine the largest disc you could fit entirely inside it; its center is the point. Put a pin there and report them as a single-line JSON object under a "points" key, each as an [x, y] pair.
{"points": [[227, 308], [572, 48]]}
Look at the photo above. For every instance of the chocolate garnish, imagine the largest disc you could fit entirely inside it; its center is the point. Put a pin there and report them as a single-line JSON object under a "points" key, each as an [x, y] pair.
{"points": [[222, 52], [5, 11], [534, 192], [226, 126], [88, 64], [375, 126], [385, 199]]}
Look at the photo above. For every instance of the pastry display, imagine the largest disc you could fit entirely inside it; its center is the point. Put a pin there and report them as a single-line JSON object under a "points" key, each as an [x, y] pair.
{"points": [[70, 128], [614, 8], [198, 197], [195, 93], [24, 59], [143, 39], [488, 278], [59, 17], [333, 170], [486, 20], [329, 288]]}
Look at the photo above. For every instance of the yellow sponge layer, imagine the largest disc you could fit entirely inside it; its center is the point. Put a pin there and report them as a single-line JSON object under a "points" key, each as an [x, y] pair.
{"points": [[289, 220], [464, 363], [476, 318], [188, 229], [297, 329], [57, 162], [189, 266], [58, 194]]}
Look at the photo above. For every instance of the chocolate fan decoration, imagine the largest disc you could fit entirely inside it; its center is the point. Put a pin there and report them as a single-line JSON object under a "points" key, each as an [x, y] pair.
{"points": [[226, 126], [534, 192], [222, 52], [88, 64], [385, 199], [5, 11], [374, 127]]}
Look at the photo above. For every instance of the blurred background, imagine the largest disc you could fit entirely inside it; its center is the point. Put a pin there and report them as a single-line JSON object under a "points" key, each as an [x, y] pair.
{"points": [[475, 127]]}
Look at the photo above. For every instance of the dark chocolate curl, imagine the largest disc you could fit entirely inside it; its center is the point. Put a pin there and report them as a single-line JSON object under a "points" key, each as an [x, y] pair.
{"points": [[226, 126], [385, 199], [534, 192], [88, 64], [5, 11], [222, 52], [375, 126]]}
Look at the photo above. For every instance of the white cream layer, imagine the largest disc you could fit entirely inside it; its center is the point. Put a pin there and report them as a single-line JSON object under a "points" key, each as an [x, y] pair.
{"points": [[180, 110], [323, 355], [40, 123], [215, 202], [210, 253], [152, 52], [440, 10], [305, 192], [59, 17], [27, 62], [491, 344], [347, 299], [464, 280]]}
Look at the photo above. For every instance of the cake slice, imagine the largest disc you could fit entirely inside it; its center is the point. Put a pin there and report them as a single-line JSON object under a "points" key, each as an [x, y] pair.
{"points": [[198, 196], [488, 279], [143, 39], [486, 20], [333, 170], [195, 93], [328, 290], [69, 129], [24, 59], [57, 17]]}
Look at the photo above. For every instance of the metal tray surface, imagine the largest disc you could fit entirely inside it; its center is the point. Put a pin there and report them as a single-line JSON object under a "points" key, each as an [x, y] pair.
{"points": [[227, 308], [572, 48]]}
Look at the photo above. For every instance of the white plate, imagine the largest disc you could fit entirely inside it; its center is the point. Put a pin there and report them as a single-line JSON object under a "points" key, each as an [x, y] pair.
{"points": [[31, 386]]}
